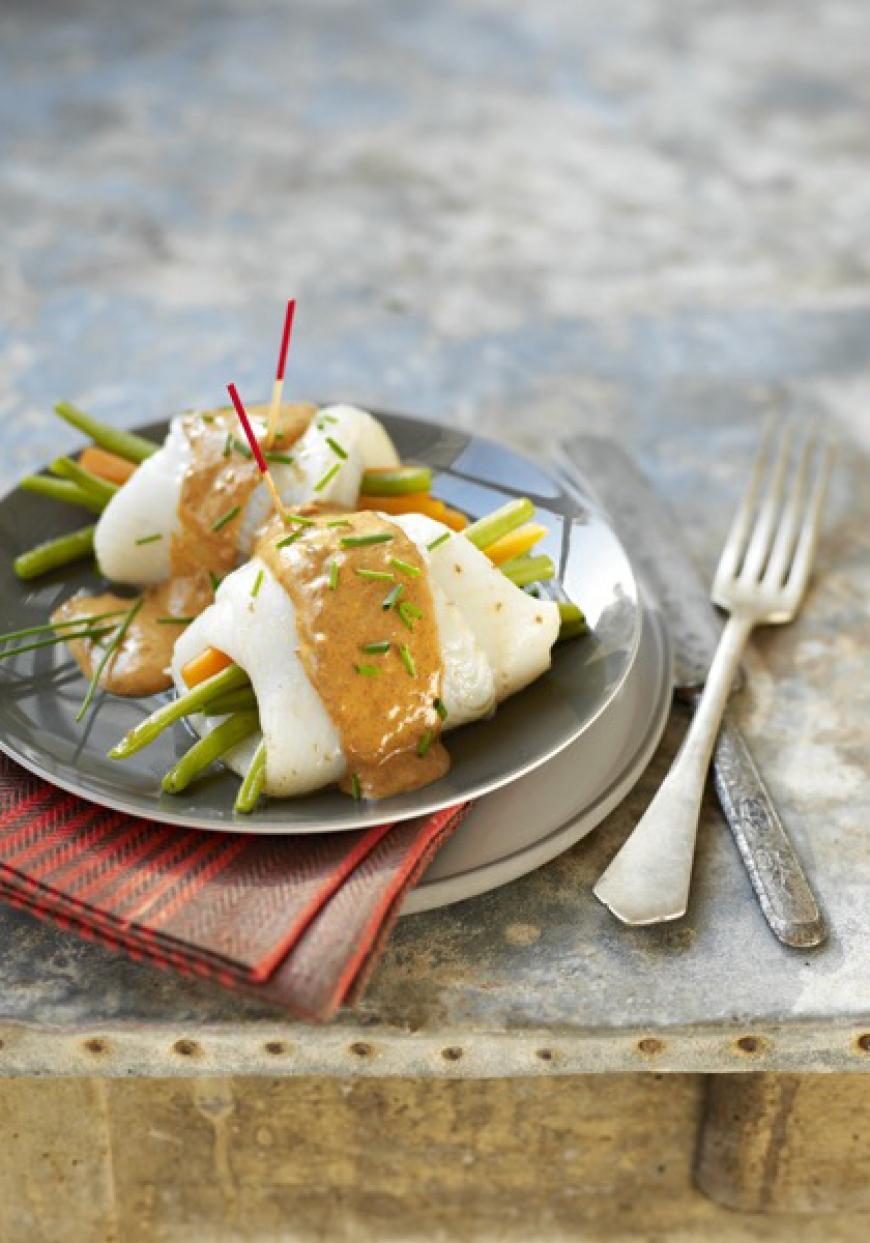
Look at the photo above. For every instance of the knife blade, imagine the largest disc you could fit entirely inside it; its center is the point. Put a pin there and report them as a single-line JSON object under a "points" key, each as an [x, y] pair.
{"points": [[652, 537]]}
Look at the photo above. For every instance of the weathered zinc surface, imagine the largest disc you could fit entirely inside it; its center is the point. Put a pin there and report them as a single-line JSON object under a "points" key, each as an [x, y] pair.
{"points": [[646, 219]]}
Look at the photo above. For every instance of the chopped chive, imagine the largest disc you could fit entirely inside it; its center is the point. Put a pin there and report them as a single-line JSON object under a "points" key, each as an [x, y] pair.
{"points": [[408, 612], [338, 522], [439, 707], [330, 475], [148, 539], [436, 543], [207, 418], [215, 580], [228, 445], [333, 575], [390, 599], [289, 539], [336, 448], [326, 418], [62, 625], [405, 567], [425, 743], [299, 519], [112, 647], [368, 671], [376, 649], [227, 517], [258, 583], [362, 541], [282, 459], [383, 575], [407, 660], [174, 621], [68, 637], [355, 787], [241, 447]]}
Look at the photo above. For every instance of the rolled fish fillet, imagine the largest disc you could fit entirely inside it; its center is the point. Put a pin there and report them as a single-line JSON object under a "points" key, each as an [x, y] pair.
{"points": [[494, 639], [133, 538]]}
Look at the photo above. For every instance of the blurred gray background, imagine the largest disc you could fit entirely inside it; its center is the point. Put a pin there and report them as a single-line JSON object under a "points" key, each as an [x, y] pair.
{"points": [[649, 217]]}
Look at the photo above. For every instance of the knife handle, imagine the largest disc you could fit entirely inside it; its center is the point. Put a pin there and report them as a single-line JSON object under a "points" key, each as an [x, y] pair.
{"points": [[775, 871]]}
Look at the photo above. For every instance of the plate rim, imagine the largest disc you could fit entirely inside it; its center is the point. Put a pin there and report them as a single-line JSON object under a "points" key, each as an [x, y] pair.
{"points": [[576, 827], [159, 813]]}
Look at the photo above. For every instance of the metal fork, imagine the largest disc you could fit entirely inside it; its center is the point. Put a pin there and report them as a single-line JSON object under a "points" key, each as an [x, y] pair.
{"points": [[761, 579]]}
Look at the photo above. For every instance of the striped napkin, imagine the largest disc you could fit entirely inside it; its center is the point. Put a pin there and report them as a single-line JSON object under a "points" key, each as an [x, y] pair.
{"points": [[297, 920]]}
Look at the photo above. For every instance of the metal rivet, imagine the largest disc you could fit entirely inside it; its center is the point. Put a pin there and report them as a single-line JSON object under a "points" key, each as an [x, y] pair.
{"points": [[275, 1047], [451, 1054], [750, 1044], [650, 1046], [545, 1055], [186, 1048], [361, 1049], [863, 1042], [96, 1045]]}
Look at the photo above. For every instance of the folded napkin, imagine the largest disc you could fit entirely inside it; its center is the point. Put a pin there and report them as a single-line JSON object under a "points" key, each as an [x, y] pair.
{"points": [[297, 920]]}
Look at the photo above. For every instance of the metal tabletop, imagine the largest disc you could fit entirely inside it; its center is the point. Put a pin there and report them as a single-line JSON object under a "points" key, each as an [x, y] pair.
{"points": [[626, 219]]}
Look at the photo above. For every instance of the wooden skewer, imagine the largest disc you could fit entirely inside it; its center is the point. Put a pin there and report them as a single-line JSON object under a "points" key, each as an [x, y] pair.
{"points": [[256, 450], [278, 386]]}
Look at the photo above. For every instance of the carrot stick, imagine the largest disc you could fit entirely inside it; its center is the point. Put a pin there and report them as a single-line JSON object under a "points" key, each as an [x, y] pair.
{"points": [[515, 543], [415, 503], [453, 518], [105, 465], [205, 665], [410, 503]]}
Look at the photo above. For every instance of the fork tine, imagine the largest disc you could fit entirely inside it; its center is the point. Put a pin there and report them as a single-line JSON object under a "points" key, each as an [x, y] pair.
{"points": [[790, 520], [768, 512], [741, 525], [802, 564]]}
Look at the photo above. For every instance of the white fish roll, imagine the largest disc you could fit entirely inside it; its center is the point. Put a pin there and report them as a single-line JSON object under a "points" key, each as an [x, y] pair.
{"points": [[356, 433], [303, 750], [516, 631], [147, 504]]}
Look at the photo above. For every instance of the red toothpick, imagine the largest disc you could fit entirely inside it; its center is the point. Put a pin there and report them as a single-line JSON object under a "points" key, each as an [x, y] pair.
{"points": [[278, 386], [255, 448]]}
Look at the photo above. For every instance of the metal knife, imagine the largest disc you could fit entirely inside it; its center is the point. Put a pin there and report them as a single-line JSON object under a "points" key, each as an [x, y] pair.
{"points": [[643, 523]]}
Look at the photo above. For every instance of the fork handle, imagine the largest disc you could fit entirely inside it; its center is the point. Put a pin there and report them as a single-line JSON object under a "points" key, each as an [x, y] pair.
{"points": [[648, 880]]}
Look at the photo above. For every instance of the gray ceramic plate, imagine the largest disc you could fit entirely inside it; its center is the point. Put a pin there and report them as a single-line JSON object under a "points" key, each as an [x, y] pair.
{"points": [[41, 691]]}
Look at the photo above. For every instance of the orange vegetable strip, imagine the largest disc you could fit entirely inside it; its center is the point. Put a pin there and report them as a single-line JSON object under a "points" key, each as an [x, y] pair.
{"points": [[205, 665], [105, 465], [515, 543], [454, 519]]}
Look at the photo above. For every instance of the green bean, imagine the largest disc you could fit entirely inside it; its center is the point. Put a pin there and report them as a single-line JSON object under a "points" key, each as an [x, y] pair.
{"points": [[146, 731], [54, 553], [573, 622], [524, 570], [233, 701], [500, 522], [126, 444], [398, 482], [98, 488], [209, 748], [255, 778], [61, 490]]}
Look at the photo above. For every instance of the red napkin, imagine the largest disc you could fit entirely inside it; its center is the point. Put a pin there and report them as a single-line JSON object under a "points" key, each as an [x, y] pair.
{"points": [[297, 920]]}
